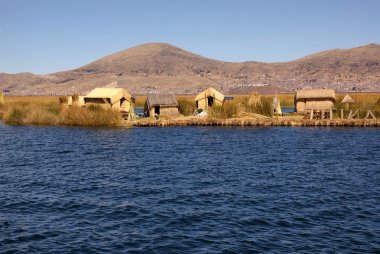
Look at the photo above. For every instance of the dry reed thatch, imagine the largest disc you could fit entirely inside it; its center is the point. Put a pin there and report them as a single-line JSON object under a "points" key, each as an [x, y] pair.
{"points": [[112, 94], [168, 100], [309, 93], [210, 92]]}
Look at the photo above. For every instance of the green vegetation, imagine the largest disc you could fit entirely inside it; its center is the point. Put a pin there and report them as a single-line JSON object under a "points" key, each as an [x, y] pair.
{"points": [[186, 107]]}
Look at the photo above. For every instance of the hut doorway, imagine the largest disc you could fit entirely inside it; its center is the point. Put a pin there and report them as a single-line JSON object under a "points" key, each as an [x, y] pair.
{"points": [[157, 110], [210, 101]]}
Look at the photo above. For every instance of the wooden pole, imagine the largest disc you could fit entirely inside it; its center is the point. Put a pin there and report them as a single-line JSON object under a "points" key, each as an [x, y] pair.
{"points": [[341, 114]]}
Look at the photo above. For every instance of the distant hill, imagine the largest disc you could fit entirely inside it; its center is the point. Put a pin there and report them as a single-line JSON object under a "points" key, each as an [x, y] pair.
{"points": [[160, 67]]}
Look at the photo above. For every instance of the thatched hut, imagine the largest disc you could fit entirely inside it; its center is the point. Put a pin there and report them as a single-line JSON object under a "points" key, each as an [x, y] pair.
{"points": [[115, 98], [162, 105], [209, 98], [317, 99]]}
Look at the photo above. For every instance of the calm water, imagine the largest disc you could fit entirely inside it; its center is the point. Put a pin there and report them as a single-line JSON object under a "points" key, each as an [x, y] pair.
{"points": [[189, 190]]}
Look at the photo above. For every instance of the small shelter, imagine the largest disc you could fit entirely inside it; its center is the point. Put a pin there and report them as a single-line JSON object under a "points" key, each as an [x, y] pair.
{"points": [[115, 98], [209, 98], [316, 99], [348, 100], [162, 105]]}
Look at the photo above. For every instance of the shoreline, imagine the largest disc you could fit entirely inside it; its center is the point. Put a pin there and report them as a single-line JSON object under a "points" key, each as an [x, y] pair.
{"points": [[259, 122]]}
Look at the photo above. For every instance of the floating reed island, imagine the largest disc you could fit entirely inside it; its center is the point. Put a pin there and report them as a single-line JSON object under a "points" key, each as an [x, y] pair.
{"points": [[258, 122], [116, 107]]}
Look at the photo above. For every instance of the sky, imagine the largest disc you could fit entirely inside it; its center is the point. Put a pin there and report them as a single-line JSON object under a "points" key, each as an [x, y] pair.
{"points": [[44, 36]]}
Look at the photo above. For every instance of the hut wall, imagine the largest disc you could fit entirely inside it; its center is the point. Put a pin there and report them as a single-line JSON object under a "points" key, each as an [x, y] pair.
{"points": [[151, 112], [300, 106], [169, 111], [126, 106], [319, 104], [203, 103]]}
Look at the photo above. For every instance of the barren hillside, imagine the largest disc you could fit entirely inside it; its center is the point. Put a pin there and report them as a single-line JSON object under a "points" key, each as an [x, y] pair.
{"points": [[159, 67]]}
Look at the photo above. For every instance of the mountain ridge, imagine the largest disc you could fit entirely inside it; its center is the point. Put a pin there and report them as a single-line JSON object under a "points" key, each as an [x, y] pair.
{"points": [[161, 67]]}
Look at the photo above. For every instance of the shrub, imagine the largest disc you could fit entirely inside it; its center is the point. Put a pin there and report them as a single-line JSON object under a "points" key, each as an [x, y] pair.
{"points": [[186, 107]]}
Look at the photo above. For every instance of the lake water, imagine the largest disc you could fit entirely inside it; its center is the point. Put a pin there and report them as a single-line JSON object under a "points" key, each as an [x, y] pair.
{"points": [[189, 190]]}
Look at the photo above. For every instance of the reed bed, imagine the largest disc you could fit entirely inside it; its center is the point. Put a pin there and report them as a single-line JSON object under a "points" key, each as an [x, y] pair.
{"points": [[91, 116], [32, 113], [186, 106], [263, 107], [55, 114], [227, 110]]}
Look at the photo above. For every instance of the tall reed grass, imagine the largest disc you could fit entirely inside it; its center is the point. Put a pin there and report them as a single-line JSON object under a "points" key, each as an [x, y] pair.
{"points": [[186, 107], [264, 107], [92, 116], [362, 105], [227, 110], [31, 113], [56, 114]]}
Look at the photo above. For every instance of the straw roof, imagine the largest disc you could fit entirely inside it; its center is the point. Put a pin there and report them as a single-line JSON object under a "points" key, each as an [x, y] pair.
{"points": [[161, 100], [348, 99], [210, 92], [315, 94], [114, 94]]}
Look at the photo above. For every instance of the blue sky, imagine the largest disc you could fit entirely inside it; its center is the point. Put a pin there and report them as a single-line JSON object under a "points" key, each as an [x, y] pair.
{"points": [[43, 36]]}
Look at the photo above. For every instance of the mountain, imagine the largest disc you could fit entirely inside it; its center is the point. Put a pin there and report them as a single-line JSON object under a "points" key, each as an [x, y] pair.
{"points": [[160, 67]]}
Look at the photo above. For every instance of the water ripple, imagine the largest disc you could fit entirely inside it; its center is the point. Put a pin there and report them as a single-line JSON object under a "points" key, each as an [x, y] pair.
{"points": [[189, 190]]}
